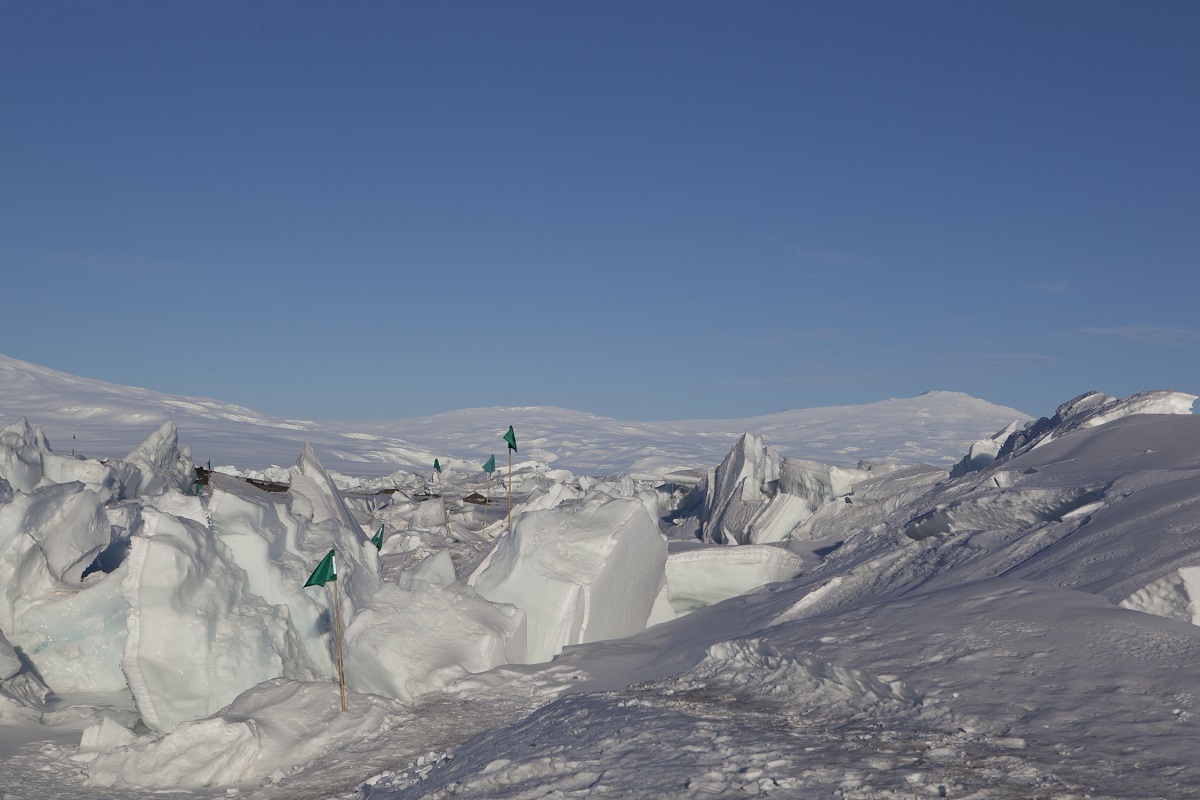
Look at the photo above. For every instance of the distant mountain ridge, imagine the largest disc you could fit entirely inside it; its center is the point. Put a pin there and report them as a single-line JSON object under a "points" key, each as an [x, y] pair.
{"points": [[103, 419]]}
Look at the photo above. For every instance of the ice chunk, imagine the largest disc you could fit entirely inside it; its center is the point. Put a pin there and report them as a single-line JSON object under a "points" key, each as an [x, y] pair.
{"points": [[26, 461], [756, 497], [10, 662], [261, 535], [583, 572], [156, 464], [69, 526], [776, 518], [20, 456], [983, 452], [406, 643], [699, 576], [738, 489], [196, 635], [1174, 596], [48, 539], [105, 735], [436, 568], [97, 477], [203, 753], [327, 522], [75, 640], [25, 690]]}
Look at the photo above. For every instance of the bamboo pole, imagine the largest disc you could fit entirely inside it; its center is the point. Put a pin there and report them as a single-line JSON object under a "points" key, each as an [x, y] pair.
{"points": [[488, 499], [337, 616], [510, 489], [442, 492]]}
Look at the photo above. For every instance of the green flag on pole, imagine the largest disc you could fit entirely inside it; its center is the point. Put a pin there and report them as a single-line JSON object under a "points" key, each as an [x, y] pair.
{"points": [[324, 573], [490, 466], [377, 539], [437, 466], [511, 438]]}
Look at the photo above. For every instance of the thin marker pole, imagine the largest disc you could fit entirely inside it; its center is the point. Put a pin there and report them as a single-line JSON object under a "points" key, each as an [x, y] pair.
{"points": [[510, 489], [442, 492], [488, 499], [337, 616]]}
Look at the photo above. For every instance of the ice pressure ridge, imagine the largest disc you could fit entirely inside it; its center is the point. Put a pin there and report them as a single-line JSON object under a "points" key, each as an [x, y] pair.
{"points": [[118, 577]]}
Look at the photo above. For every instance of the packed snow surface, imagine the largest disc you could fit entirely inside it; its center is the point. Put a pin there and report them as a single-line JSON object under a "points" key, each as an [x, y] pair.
{"points": [[791, 627]]}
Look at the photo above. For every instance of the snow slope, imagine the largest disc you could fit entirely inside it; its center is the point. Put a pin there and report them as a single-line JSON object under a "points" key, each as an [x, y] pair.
{"points": [[107, 420]]}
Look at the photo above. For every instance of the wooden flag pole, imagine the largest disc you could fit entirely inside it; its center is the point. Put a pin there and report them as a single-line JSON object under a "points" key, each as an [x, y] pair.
{"points": [[510, 489], [488, 499], [442, 492], [337, 617]]}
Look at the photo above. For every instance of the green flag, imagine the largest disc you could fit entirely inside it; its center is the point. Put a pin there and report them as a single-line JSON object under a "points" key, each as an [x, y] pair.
{"points": [[437, 466], [325, 572], [377, 539], [490, 466], [511, 438]]}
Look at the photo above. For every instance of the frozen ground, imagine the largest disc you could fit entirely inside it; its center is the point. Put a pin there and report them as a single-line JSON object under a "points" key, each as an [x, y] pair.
{"points": [[1024, 629]]}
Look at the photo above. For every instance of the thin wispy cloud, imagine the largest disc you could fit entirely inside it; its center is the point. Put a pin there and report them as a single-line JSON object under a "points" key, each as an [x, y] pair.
{"points": [[1150, 334]]}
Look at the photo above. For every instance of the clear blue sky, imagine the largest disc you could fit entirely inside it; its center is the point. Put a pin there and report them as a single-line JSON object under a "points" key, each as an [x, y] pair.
{"points": [[646, 210]]}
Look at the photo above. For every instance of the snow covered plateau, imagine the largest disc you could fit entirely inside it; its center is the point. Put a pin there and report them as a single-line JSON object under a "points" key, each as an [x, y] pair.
{"points": [[925, 597]]}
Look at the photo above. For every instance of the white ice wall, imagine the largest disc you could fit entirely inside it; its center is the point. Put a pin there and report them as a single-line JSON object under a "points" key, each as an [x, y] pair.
{"points": [[581, 572], [196, 637]]}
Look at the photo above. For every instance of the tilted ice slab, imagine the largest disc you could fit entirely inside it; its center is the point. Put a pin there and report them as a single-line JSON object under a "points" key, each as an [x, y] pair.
{"points": [[10, 663], [407, 642], [582, 572], [21, 452], [157, 464], [1175, 596], [700, 576], [71, 629], [263, 538], [984, 451], [196, 636], [756, 497]]}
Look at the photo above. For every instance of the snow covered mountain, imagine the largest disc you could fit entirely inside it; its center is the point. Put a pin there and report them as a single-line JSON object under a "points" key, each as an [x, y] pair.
{"points": [[1028, 627], [106, 420]]}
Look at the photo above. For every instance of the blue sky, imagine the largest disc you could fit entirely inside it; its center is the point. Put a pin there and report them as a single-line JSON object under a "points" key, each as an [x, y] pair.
{"points": [[646, 210]]}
